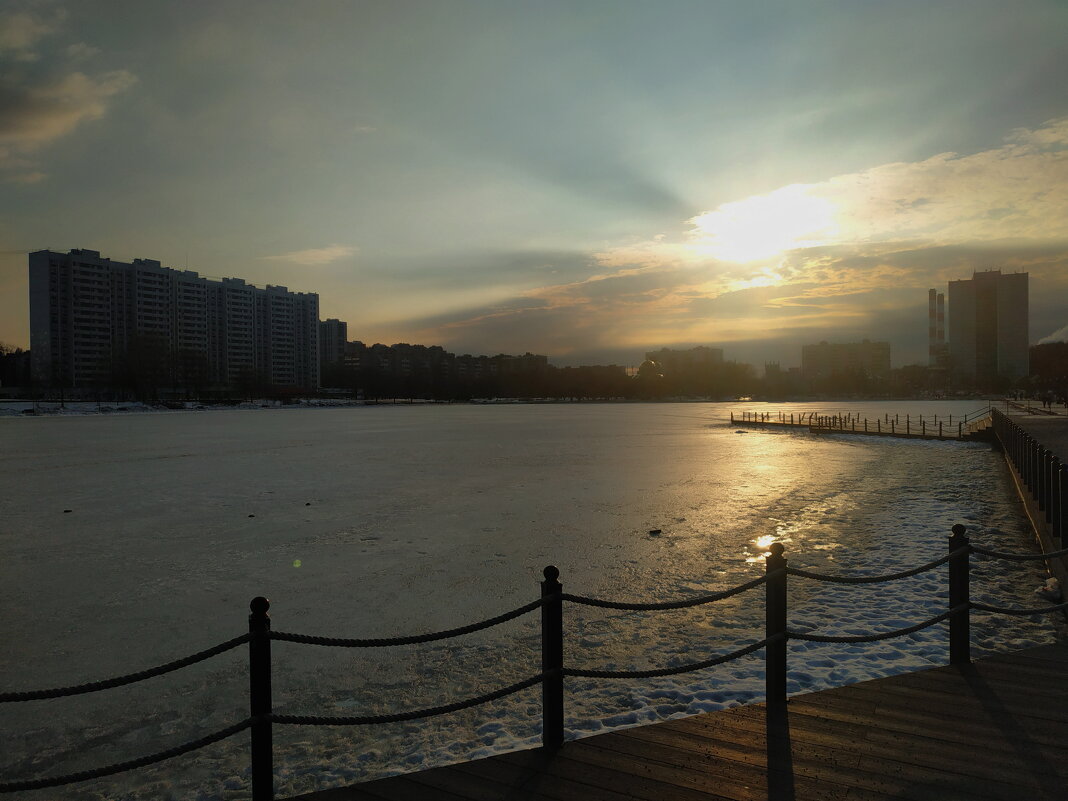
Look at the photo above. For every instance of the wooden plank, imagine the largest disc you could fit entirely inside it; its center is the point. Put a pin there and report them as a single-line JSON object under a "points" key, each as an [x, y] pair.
{"points": [[844, 760], [995, 731], [649, 780], [395, 788], [687, 741], [914, 721], [599, 778], [954, 700], [987, 751], [537, 783]]}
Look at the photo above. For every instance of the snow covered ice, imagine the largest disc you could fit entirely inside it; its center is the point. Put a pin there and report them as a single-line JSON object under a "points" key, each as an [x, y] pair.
{"points": [[387, 521]]}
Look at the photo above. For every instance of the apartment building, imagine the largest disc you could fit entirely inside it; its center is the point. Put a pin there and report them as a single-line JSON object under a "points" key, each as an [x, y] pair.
{"points": [[92, 318], [825, 359], [988, 326]]}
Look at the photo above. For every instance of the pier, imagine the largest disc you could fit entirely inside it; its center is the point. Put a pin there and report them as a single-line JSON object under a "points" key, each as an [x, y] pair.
{"points": [[971, 426], [994, 729]]}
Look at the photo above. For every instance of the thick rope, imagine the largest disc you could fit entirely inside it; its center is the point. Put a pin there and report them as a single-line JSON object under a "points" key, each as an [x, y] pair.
{"points": [[673, 671], [129, 678], [698, 601], [1005, 610], [120, 767], [1020, 557], [793, 571], [384, 642], [368, 720], [886, 635]]}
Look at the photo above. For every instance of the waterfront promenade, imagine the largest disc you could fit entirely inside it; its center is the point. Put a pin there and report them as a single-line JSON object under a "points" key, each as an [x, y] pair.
{"points": [[995, 729], [1050, 430]]}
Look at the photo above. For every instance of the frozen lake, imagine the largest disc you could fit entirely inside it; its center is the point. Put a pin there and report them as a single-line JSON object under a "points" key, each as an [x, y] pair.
{"points": [[384, 521]]}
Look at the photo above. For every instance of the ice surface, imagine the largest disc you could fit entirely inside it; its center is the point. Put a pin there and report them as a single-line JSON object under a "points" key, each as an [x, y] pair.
{"points": [[383, 521]]}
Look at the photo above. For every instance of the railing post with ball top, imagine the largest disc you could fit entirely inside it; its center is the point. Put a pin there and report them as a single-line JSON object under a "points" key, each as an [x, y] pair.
{"points": [[259, 681], [775, 618], [552, 660], [959, 624]]}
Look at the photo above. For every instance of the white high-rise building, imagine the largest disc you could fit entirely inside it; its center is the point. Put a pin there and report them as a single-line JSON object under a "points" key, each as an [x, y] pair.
{"points": [[94, 320], [988, 326]]}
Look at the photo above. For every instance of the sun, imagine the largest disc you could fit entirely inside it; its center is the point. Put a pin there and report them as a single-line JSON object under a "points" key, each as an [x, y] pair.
{"points": [[765, 226]]}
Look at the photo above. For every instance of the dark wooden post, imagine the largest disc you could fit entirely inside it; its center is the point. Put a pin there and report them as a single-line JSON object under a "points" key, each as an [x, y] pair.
{"points": [[775, 619], [552, 661], [259, 690], [959, 624]]}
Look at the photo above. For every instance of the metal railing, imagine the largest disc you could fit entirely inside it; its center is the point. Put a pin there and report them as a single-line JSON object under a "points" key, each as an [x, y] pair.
{"points": [[1040, 470], [262, 718]]}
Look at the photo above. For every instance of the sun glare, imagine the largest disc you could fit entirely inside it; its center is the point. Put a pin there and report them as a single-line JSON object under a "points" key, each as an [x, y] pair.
{"points": [[765, 226]]}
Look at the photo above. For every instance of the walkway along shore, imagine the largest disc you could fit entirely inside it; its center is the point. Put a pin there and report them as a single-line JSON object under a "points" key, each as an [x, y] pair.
{"points": [[1036, 451]]}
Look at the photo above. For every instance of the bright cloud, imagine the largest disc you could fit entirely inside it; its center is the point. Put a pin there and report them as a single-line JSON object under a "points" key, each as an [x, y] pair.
{"points": [[31, 116], [761, 227], [316, 256], [38, 109]]}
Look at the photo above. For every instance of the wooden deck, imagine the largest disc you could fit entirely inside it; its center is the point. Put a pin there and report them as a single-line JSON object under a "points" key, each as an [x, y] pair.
{"points": [[996, 730]]}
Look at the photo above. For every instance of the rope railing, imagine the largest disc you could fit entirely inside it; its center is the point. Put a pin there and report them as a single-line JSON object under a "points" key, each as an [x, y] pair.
{"points": [[673, 671], [129, 678], [885, 635], [387, 642], [121, 767], [399, 717], [553, 670], [806, 574], [665, 605]]}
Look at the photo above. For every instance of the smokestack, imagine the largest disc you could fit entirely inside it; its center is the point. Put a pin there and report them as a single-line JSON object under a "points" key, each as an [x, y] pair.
{"points": [[932, 327]]}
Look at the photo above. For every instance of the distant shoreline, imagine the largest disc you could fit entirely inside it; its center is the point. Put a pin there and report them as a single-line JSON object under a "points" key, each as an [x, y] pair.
{"points": [[10, 408]]}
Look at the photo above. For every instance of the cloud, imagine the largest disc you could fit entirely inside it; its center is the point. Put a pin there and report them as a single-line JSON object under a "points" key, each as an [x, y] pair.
{"points": [[20, 32], [315, 256], [1056, 336], [1017, 191], [38, 108], [80, 51], [853, 257], [34, 115]]}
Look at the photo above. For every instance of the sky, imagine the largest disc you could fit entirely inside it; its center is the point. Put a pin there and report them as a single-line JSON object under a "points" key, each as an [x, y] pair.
{"points": [[589, 180]]}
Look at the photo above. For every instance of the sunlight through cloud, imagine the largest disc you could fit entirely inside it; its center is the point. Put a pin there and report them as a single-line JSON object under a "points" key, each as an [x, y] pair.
{"points": [[764, 226]]}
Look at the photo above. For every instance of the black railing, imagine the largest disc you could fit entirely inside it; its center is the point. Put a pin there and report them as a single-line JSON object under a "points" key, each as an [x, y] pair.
{"points": [[906, 425], [1040, 470], [262, 718]]}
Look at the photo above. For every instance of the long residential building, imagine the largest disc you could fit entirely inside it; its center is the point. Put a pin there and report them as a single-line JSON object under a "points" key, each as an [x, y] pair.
{"points": [[92, 320]]}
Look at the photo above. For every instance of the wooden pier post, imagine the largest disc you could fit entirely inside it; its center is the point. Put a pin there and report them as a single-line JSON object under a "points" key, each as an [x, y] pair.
{"points": [[259, 686], [960, 623], [552, 660]]}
